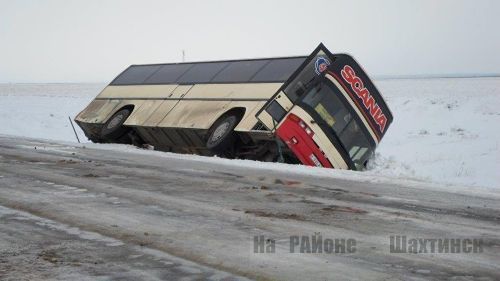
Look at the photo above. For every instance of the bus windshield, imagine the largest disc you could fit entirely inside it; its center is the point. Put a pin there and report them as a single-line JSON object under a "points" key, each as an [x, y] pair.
{"points": [[334, 115]]}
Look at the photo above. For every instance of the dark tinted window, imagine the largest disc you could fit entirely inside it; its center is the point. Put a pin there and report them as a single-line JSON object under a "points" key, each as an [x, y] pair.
{"points": [[239, 71], [135, 74], [304, 80], [276, 111], [278, 70], [202, 73], [168, 73]]}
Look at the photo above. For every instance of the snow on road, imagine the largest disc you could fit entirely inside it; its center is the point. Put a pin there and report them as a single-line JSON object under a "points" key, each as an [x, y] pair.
{"points": [[444, 130], [63, 208]]}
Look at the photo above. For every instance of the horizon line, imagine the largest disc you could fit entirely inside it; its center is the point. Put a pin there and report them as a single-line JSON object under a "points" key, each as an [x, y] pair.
{"points": [[375, 77]]}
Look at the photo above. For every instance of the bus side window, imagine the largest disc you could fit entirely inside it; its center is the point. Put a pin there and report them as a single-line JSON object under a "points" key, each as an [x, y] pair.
{"points": [[276, 111]]}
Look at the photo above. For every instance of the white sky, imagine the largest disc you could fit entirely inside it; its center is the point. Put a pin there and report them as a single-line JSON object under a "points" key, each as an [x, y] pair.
{"points": [[94, 40]]}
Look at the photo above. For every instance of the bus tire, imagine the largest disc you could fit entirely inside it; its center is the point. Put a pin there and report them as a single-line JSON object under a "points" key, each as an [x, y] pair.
{"points": [[113, 129], [221, 136]]}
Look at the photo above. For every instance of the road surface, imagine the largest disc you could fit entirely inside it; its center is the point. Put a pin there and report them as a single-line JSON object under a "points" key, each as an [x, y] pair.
{"points": [[72, 212]]}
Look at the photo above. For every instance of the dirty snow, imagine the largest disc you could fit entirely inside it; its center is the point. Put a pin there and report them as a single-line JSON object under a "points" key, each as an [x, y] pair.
{"points": [[444, 130]]}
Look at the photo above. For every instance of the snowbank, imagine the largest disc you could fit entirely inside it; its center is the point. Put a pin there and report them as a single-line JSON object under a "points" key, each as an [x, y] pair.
{"points": [[42, 110], [444, 130]]}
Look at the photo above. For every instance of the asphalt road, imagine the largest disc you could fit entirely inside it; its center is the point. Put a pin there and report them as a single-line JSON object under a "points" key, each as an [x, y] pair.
{"points": [[74, 213]]}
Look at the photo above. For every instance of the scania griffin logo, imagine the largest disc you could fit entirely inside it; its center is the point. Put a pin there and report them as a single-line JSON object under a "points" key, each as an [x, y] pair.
{"points": [[321, 65]]}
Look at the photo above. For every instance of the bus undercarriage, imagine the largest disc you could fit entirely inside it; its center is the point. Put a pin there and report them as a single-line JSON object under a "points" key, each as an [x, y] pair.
{"points": [[261, 145]]}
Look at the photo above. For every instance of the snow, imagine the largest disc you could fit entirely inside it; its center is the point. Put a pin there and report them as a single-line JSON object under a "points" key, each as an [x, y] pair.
{"points": [[371, 176], [444, 131], [42, 110]]}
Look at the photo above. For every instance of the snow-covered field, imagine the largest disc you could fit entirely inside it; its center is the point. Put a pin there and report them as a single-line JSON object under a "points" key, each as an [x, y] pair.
{"points": [[444, 130]]}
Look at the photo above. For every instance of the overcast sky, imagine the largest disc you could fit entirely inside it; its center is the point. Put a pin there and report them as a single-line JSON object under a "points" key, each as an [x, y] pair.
{"points": [[92, 41]]}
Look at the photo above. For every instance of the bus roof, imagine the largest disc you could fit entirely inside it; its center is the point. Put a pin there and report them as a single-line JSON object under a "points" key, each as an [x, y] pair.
{"points": [[267, 70]]}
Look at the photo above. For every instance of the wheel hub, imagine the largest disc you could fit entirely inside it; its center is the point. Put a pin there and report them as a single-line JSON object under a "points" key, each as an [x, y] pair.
{"points": [[115, 121], [220, 131]]}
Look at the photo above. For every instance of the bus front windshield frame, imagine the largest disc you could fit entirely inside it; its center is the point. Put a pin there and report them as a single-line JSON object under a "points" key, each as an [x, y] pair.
{"points": [[337, 120], [323, 101]]}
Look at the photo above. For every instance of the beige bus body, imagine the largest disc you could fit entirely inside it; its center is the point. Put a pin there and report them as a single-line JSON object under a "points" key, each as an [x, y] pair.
{"points": [[179, 106], [156, 108]]}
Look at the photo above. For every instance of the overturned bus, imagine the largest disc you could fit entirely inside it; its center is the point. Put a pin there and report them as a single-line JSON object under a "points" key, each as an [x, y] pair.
{"points": [[318, 110]]}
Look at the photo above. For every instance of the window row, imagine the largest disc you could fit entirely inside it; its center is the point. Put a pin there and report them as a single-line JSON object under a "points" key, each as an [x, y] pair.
{"points": [[265, 70]]}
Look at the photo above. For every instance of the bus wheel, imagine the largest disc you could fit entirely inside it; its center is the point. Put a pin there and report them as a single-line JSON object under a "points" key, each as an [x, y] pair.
{"points": [[221, 136], [113, 129]]}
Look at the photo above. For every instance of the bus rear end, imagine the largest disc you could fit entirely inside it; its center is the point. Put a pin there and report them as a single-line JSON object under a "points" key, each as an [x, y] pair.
{"points": [[329, 113]]}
